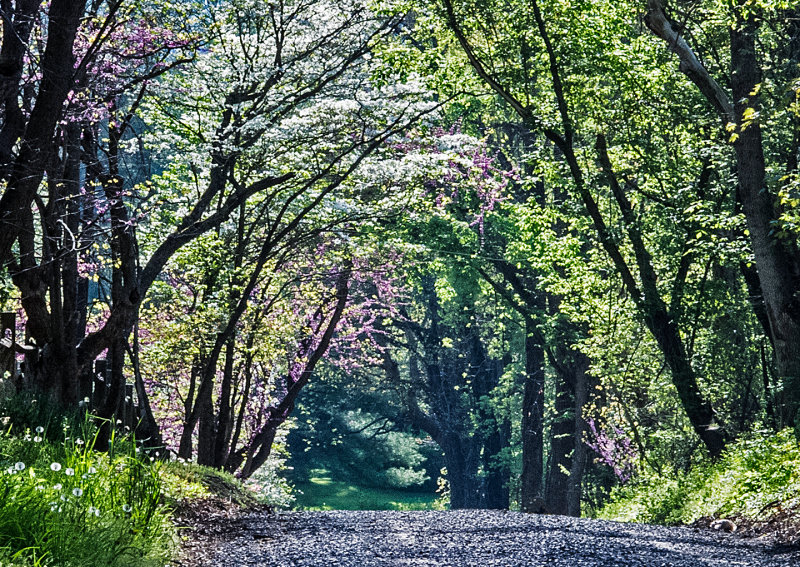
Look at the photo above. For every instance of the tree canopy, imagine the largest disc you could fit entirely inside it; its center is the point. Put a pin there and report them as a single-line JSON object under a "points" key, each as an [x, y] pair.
{"points": [[557, 239]]}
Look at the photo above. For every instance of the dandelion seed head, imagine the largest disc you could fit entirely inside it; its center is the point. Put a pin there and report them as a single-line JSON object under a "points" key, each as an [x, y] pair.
{"points": [[55, 467], [69, 472], [77, 492], [20, 466]]}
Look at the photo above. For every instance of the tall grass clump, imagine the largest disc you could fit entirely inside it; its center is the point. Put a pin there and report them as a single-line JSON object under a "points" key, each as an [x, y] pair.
{"points": [[63, 503], [754, 478]]}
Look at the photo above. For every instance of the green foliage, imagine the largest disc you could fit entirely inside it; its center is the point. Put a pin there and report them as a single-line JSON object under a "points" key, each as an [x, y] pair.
{"points": [[26, 411], [6, 289], [183, 480], [357, 447], [269, 482], [752, 476], [62, 503]]}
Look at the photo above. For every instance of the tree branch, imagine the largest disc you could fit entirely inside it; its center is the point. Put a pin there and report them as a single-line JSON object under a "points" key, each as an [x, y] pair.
{"points": [[690, 65]]}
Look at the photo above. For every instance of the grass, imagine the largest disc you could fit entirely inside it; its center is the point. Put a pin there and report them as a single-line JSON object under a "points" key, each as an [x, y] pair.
{"points": [[62, 503], [185, 482], [324, 493]]}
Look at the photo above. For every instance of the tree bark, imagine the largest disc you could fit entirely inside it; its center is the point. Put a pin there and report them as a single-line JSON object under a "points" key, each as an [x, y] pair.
{"points": [[580, 450], [532, 422], [36, 145], [562, 444], [778, 269]]}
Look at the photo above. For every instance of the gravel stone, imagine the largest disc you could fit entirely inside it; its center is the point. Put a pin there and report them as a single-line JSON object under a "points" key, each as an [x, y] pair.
{"points": [[478, 538]]}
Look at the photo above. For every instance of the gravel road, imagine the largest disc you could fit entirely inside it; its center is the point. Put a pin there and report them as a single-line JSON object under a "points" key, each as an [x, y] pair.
{"points": [[477, 538]]}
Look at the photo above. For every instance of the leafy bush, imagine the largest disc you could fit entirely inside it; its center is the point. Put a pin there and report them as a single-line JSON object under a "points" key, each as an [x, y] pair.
{"points": [[62, 503], [751, 477], [269, 482]]}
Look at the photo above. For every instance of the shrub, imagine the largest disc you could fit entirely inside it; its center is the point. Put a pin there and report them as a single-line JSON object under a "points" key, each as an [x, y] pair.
{"points": [[753, 474]]}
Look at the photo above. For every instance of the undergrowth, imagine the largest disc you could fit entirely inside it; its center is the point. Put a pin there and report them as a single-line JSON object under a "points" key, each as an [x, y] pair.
{"points": [[63, 503], [755, 478]]}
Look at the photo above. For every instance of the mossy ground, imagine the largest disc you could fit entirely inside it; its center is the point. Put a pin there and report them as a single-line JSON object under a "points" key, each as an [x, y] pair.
{"points": [[323, 492]]}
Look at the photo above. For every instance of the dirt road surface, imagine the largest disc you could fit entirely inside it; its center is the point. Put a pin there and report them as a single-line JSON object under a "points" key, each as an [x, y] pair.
{"points": [[472, 538]]}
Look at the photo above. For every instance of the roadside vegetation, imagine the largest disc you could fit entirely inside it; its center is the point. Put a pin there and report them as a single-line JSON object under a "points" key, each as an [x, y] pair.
{"points": [[755, 484], [62, 502], [536, 255]]}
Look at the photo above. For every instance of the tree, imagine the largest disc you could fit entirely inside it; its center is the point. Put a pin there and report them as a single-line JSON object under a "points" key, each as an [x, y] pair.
{"points": [[276, 92], [262, 73], [91, 75], [745, 114], [513, 84]]}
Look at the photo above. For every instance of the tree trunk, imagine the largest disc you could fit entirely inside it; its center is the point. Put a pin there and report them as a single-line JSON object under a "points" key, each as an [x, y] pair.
{"points": [[562, 443], [580, 451], [462, 472], [496, 495], [777, 264], [532, 422], [777, 260]]}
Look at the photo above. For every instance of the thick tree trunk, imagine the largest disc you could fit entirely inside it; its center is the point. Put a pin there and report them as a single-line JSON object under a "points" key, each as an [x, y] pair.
{"points": [[562, 444], [532, 422], [568, 452], [484, 373], [496, 494], [776, 260], [579, 452], [462, 471], [35, 147]]}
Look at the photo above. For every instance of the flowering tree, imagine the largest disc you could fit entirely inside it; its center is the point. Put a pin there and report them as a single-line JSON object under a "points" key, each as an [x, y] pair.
{"points": [[277, 125], [436, 342], [613, 448], [269, 121], [87, 69]]}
